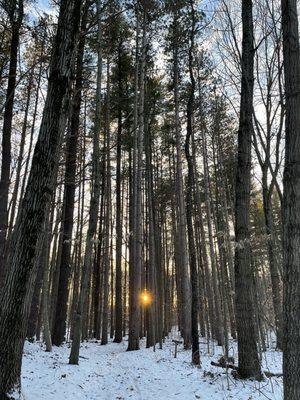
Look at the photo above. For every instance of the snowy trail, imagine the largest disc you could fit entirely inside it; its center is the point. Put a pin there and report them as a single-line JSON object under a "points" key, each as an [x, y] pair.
{"points": [[110, 373]]}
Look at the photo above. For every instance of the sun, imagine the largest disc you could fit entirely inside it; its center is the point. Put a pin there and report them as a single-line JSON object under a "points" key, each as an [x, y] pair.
{"points": [[146, 298]]}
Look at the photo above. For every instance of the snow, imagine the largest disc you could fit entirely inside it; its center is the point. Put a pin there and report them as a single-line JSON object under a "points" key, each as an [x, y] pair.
{"points": [[110, 373]]}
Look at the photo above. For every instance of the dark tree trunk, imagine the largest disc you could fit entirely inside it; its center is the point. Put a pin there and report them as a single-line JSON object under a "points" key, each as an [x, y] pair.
{"points": [[291, 208], [247, 348], [185, 286], [152, 258], [137, 239], [118, 288], [190, 199], [93, 209], [107, 231], [64, 263], [19, 282]]}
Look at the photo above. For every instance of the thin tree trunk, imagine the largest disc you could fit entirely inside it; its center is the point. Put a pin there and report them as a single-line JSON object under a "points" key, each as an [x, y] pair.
{"points": [[118, 288], [190, 197], [137, 240], [106, 250], [183, 253], [213, 258]]}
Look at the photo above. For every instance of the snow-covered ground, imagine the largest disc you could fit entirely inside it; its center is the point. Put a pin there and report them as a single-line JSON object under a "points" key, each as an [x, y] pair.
{"points": [[110, 373]]}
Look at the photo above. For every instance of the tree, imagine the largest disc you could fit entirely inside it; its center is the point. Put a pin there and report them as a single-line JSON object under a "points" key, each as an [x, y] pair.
{"points": [[291, 202], [249, 365], [185, 288], [94, 205], [64, 267], [190, 192], [137, 240], [17, 289]]}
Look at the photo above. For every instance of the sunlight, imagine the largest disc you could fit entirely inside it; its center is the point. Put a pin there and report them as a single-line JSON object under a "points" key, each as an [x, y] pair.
{"points": [[146, 298]]}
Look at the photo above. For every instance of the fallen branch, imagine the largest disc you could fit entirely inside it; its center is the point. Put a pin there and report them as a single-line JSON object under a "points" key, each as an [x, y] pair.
{"points": [[222, 365], [273, 374], [268, 374]]}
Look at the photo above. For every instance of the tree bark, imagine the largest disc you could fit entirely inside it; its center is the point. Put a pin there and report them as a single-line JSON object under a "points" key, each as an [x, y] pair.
{"points": [[190, 196], [107, 230], [94, 206], [118, 287], [181, 229], [291, 208], [64, 263], [247, 348], [137, 239], [17, 290]]}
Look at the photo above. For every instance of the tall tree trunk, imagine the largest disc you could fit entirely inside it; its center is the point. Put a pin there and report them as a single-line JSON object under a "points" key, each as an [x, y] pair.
{"points": [[107, 231], [64, 262], [291, 208], [118, 287], [19, 282], [190, 196], [247, 349], [94, 206], [79, 236], [218, 326], [152, 259], [137, 240], [181, 229]]}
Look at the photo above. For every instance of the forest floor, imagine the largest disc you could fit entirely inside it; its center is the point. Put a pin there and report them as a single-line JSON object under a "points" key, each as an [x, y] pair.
{"points": [[110, 373]]}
